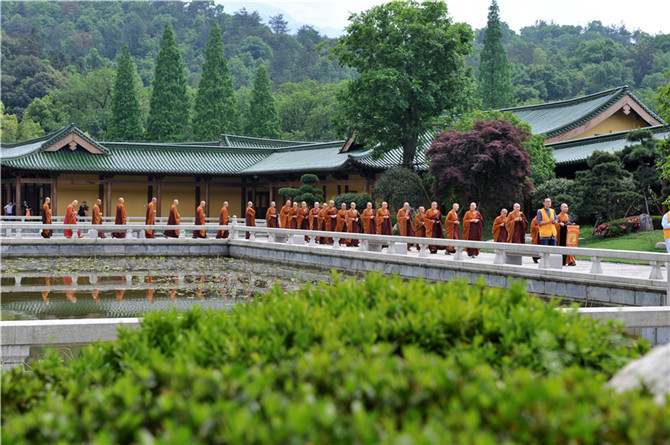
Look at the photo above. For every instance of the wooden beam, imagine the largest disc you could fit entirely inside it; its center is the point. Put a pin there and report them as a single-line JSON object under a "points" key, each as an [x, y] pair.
{"points": [[159, 190], [207, 197], [18, 203], [108, 198], [54, 195]]}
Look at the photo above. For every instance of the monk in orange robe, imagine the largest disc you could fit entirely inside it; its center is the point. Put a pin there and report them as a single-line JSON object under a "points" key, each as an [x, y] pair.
{"points": [[96, 217], [331, 212], [120, 218], [563, 221], [46, 217], [200, 221], [405, 226], [452, 225], [499, 230], [353, 220], [314, 219], [322, 219], [223, 221], [341, 222], [293, 216], [271, 216], [173, 220], [433, 223], [71, 218], [516, 226], [419, 226], [150, 217], [473, 225], [302, 218], [368, 219], [383, 219], [250, 217], [535, 235], [284, 214]]}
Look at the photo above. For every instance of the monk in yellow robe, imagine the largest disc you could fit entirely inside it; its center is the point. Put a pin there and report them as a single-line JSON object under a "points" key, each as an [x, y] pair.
{"points": [[419, 226], [563, 221], [250, 217], [200, 221], [383, 219], [499, 230], [535, 235], [433, 223], [150, 219], [293, 216], [404, 221], [283, 214], [120, 218], [368, 220], [173, 220], [452, 225], [223, 221], [71, 218], [353, 219], [272, 217], [46, 217], [473, 225], [96, 217], [516, 225]]}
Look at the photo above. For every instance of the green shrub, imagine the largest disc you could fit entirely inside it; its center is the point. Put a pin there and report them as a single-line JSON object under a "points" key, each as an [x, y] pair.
{"points": [[377, 360], [361, 200]]}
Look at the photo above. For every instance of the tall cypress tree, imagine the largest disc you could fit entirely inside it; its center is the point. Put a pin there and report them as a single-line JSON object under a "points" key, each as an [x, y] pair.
{"points": [[493, 76], [263, 119], [215, 110], [125, 122], [169, 108]]}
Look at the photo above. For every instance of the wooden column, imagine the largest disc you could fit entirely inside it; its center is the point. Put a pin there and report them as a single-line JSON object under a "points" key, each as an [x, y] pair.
{"points": [[108, 198], [54, 196], [18, 203], [158, 197], [207, 197]]}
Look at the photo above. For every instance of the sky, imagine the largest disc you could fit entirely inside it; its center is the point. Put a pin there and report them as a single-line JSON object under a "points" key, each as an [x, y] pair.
{"points": [[650, 16]]}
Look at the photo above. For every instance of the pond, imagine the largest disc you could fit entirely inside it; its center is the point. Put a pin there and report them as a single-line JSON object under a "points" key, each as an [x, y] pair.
{"points": [[128, 287]]}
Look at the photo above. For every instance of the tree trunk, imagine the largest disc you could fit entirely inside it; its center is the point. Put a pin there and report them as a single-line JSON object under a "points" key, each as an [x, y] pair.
{"points": [[409, 151]]}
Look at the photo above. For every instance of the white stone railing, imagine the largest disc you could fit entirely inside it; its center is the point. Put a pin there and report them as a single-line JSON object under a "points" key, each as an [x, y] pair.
{"points": [[505, 253]]}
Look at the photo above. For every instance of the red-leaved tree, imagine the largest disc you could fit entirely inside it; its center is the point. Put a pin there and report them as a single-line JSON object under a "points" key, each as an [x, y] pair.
{"points": [[487, 165]]}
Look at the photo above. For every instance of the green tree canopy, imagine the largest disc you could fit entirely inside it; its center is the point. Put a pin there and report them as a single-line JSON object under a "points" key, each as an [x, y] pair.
{"points": [[664, 145], [494, 82], [125, 123], [263, 119], [215, 109], [399, 185], [410, 60], [168, 116]]}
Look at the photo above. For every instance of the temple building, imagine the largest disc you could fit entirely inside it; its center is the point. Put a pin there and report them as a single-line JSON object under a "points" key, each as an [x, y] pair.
{"points": [[68, 164]]}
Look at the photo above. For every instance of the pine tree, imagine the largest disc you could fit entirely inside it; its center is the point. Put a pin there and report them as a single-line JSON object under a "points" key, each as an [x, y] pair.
{"points": [[125, 122], [263, 119], [493, 76], [215, 110], [168, 113]]}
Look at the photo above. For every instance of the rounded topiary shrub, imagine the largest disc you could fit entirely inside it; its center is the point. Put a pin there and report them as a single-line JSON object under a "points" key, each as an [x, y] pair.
{"points": [[353, 361]]}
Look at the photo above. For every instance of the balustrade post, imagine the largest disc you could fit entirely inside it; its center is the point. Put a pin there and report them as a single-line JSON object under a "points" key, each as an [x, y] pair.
{"points": [[500, 256], [18, 233], [336, 243], [233, 228], [544, 260], [596, 267], [423, 250], [93, 278], [667, 292], [252, 236], [363, 245], [312, 240], [656, 273], [459, 253], [17, 280], [129, 233]]}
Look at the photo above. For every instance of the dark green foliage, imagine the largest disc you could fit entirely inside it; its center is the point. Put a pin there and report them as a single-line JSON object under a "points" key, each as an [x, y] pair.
{"points": [[378, 360], [560, 190], [306, 192], [410, 60], [663, 163], [361, 200], [215, 108], [168, 117], [606, 190], [263, 119], [494, 83], [641, 158], [399, 185], [125, 122]]}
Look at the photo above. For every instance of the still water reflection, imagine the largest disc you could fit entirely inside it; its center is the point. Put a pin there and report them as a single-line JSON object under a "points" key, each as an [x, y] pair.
{"points": [[128, 287]]}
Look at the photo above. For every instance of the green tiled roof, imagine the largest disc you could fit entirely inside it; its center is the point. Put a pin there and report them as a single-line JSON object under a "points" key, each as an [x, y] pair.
{"points": [[234, 141], [310, 157], [571, 152], [555, 118]]}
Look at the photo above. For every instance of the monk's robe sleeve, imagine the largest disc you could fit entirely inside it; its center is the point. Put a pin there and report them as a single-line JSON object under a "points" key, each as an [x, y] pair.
{"points": [[466, 225]]}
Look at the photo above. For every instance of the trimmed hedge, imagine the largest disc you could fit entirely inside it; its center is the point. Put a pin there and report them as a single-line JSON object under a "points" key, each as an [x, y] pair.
{"points": [[379, 360]]}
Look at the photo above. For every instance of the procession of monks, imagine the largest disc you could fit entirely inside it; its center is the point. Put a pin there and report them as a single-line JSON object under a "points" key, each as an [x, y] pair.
{"points": [[508, 227]]}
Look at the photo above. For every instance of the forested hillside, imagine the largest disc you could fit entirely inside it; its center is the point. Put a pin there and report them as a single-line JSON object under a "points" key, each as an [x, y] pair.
{"points": [[59, 61]]}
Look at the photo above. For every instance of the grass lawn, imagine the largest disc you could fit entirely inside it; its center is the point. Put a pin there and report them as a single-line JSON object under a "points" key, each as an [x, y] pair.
{"points": [[641, 241]]}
